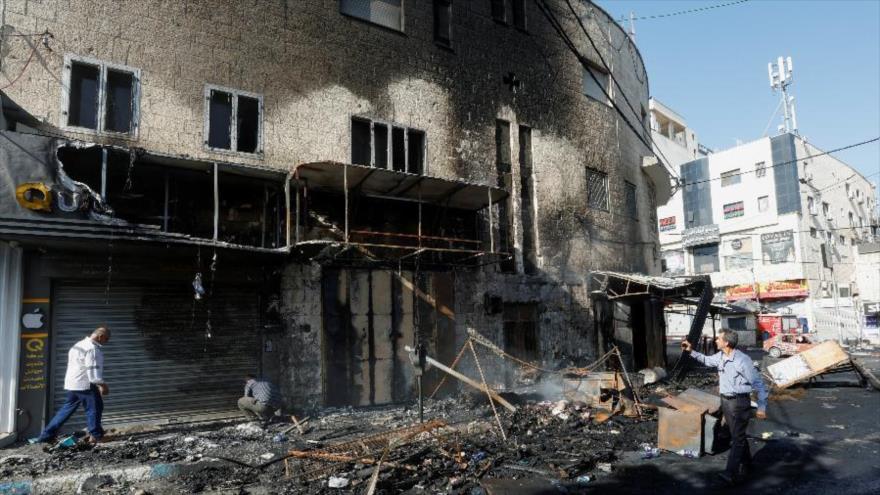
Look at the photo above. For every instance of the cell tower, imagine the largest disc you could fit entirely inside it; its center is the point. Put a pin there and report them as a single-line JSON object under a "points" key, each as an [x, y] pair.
{"points": [[781, 79]]}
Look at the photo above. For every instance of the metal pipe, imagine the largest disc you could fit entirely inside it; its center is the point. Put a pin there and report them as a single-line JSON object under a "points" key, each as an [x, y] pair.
{"points": [[165, 210], [287, 211], [345, 187], [216, 202]]}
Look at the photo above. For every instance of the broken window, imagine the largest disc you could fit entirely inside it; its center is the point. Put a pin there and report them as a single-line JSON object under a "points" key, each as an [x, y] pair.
{"points": [[597, 189], [596, 84], [443, 22], [521, 330], [387, 13], [250, 210], [233, 120], [631, 205], [372, 145], [101, 97]]}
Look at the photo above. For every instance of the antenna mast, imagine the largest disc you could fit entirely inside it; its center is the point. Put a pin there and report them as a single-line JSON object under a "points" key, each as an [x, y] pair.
{"points": [[780, 75]]}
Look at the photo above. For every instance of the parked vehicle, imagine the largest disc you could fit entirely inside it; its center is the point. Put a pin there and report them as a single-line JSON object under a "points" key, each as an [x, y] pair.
{"points": [[787, 344], [772, 324]]}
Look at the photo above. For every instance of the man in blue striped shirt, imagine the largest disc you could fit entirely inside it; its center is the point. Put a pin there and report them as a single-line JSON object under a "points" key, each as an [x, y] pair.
{"points": [[737, 377], [261, 399]]}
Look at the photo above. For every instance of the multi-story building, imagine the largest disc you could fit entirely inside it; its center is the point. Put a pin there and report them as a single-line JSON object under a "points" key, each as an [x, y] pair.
{"points": [[775, 221], [304, 188]]}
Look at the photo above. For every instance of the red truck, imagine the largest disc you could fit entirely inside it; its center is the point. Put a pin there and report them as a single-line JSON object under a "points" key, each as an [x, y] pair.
{"points": [[771, 324]]}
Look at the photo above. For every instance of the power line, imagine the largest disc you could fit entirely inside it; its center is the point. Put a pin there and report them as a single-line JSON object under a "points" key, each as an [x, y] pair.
{"points": [[783, 163], [557, 26], [683, 12], [798, 231], [619, 87]]}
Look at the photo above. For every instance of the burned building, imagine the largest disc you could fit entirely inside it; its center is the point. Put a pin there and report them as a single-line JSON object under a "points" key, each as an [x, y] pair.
{"points": [[304, 188]]}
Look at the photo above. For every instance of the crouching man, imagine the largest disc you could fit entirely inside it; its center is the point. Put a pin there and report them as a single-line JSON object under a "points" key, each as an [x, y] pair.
{"points": [[261, 399], [737, 377]]}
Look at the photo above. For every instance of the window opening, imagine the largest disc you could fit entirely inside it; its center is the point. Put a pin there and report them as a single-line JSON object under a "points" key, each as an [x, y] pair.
{"points": [[499, 12], [519, 14], [83, 109], [527, 191], [372, 146], [387, 13], [443, 22], [597, 85], [120, 95], [763, 203], [631, 205], [234, 120], [503, 169], [731, 177], [360, 142], [733, 210], [706, 259], [521, 330], [760, 169], [597, 189], [380, 144]]}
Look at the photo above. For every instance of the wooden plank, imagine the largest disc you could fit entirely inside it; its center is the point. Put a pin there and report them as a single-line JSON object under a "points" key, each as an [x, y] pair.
{"points": [[479, 386], [824, 356]]}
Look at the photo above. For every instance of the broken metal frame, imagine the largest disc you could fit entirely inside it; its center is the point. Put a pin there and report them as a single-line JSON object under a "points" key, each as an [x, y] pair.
{"points": [[363, 450], [302, 187]]}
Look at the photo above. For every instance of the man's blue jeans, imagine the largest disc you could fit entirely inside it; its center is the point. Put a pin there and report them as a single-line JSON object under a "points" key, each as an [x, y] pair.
{"points": [[92, 402]]}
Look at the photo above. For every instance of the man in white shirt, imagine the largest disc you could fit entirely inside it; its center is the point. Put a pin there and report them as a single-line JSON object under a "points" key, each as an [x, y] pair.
{"points": [[84, 383]]}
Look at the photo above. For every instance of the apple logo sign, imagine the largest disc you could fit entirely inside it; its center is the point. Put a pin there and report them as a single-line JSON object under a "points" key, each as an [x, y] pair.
{"points": [[33, 320]]}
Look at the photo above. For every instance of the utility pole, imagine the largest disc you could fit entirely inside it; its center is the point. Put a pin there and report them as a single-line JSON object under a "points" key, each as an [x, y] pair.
{"points": [[632, 26], [780, 79]]}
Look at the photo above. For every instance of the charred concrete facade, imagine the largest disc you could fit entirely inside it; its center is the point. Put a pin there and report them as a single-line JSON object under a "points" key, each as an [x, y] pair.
{"points": [[314, 67]]}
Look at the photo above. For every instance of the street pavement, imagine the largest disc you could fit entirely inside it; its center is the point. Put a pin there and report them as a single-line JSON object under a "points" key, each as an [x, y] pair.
{"points": [[823, 439]]}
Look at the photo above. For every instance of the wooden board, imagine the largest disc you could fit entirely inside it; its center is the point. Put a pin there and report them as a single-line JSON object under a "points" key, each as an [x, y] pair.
{"points": [[807, 364], [682, 405]]}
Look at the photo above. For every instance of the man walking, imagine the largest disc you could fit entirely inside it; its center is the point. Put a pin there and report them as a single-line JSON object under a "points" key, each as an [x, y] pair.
{"points": [[84, 383], [261, 399], [737, 377]]}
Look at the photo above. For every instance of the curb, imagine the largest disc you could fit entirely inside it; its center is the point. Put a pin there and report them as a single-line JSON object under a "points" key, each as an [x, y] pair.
{"points": [[70, 483]]}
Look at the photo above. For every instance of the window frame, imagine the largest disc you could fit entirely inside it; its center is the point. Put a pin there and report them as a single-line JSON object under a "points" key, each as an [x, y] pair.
{"points": [[402, 28], [733, 211], [390, 126], [760, 169], [766, 199], [103, 68], [233, 124]]}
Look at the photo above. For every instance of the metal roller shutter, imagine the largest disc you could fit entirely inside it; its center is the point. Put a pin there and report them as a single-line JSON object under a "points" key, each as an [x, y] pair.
{"points": [[163, 360]]}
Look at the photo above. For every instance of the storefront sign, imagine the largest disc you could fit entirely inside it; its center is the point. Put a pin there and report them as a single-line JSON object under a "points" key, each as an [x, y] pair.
{"points": [[782, 289], [701, 236], [733, 210], [736, 292], [667, 223], [777, 247]]}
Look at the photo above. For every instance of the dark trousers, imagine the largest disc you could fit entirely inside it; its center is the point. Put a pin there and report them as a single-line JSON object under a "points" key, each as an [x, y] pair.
{"points": [[737, 412], [92, 402]]}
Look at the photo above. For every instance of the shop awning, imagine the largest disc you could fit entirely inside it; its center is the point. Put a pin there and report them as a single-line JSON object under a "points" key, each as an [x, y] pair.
{"points": [[390, 184], [617, 285]]}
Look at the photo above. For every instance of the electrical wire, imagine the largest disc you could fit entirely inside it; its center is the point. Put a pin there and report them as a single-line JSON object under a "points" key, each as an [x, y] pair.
{"points": [[683, 12], [801, 231], [23, 69], [556, 25], [855, 145]]}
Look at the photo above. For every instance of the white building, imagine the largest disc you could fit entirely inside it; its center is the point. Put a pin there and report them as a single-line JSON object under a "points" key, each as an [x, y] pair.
{"points": [[775, 221]]}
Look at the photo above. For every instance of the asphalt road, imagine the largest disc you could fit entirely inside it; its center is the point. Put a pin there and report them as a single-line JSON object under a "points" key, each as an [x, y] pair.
{"points": [[824, 439]]}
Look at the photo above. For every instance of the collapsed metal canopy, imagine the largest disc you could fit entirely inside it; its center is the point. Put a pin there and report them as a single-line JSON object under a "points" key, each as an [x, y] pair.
{"points": [[383, 183], [627, 285]]}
